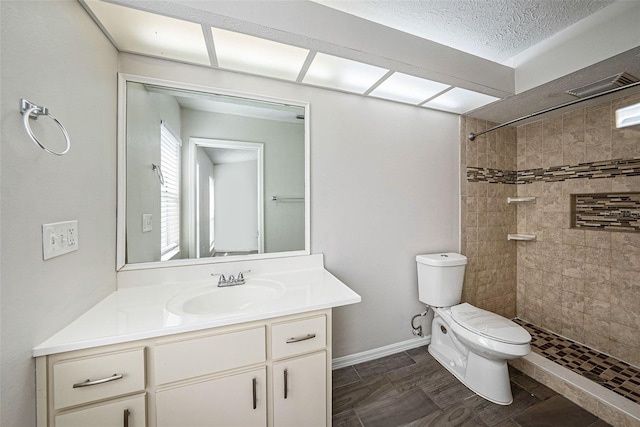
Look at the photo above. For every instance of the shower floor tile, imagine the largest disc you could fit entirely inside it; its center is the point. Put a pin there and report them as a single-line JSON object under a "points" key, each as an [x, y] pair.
{"points": [[612, 373]]}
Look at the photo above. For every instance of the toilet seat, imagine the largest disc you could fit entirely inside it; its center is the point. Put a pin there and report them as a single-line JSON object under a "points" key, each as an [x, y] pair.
{"points": [[489, 324]]}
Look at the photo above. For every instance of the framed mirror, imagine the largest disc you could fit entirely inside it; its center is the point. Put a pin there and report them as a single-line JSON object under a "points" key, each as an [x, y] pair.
{"points": [[208, 175]]}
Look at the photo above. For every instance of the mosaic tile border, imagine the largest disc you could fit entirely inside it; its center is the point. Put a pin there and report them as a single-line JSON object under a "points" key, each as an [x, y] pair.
{"points": [[611, 373], [496, 176], [601, 211], [592, 170]]}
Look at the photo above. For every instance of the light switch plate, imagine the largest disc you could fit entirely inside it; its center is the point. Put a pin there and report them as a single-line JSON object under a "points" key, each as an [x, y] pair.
{"points": [[59, 238], [147, 222]]}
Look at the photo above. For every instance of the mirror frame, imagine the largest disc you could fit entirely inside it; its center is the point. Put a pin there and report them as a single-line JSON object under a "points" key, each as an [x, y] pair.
{"points": [[121, 209]]}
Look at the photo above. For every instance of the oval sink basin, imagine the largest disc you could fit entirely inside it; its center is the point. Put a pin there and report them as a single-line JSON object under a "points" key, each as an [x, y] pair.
{"points": [[221, 301]]}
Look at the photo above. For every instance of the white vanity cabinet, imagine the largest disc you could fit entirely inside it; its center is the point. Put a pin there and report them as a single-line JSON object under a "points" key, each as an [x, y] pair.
{"points": [[299, 372], [273, 372]]}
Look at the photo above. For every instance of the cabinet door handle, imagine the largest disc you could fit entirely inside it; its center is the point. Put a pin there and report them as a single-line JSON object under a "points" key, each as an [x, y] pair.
{"points": [[286, 383], [255, 405], [88, 382], [126, 418], [298, 339]]}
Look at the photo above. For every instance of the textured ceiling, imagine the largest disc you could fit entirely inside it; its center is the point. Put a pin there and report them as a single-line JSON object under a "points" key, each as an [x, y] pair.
{"points": [[493, 29]]}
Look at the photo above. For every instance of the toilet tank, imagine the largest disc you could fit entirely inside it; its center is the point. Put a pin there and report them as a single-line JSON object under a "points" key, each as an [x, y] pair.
{"points": [[440, 278]]}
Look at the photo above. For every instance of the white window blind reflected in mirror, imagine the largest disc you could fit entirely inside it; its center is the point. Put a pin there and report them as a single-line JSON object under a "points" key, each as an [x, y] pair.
{"points": [[170, 193]]}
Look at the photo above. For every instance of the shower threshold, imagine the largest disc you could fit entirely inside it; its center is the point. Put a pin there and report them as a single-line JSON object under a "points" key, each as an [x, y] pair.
{"points": [[601, 384]]}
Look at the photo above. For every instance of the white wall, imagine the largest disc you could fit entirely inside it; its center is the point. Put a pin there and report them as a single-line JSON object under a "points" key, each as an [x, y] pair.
{"points": [[52, 54], [384, 188]]}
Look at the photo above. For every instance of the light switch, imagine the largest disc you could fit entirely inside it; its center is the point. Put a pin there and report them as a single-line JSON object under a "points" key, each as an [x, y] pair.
{"points": [[59, 238], [147, 222]]}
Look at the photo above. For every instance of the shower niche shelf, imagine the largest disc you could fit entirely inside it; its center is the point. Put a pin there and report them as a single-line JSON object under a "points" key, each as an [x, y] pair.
{"points": [[517, 200], [523, 237]]}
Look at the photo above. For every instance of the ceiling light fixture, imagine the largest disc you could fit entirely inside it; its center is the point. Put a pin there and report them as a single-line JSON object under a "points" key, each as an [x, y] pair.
{"points": [[241, 52], [459, 101], [150, 34], [405, 88], [342, 74]]}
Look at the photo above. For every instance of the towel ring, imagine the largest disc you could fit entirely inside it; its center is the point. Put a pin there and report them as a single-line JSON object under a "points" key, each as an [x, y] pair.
{"points": [[30, 110]]}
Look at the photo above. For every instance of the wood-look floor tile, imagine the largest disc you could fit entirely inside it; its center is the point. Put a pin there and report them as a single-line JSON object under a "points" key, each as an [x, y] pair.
{"points": [[600, 423], [428, 376], [383, 365], [449, 394], [493, 414], [344, 376], [458, 415], [397, 410], [420, 354], [346, 419], [508, 423], [555, 411], [361, 393]]}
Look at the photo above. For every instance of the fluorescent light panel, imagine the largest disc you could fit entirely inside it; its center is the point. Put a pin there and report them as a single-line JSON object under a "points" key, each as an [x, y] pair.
{"points": [[460, 101], [343, 74], [240, 52], [150, 34], [405, 88], [628, 116]]}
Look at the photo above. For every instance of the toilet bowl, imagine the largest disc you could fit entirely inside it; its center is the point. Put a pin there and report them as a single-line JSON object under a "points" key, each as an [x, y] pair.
{"points": [[473, 344]]}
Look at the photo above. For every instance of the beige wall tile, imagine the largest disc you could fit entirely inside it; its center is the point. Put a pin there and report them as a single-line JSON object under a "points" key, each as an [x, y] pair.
{"points": [[625, 335], [624, 316], [597, 239], [552, 135]]}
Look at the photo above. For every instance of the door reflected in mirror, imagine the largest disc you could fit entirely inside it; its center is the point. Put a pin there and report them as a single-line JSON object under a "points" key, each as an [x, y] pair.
{"points": [[209, 175]]}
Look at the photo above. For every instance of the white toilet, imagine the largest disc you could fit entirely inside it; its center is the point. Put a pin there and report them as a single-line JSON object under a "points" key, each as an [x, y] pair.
{"points": [[473, 344]]}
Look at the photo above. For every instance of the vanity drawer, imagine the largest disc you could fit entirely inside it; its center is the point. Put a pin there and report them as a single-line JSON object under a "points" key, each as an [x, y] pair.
{"points": [[129, 412], [298, 336], [88, 379], [201, 356]]}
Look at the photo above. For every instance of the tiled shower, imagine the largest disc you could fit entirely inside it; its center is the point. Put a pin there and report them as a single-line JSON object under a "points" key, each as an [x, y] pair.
{"points": [[581, 283]]}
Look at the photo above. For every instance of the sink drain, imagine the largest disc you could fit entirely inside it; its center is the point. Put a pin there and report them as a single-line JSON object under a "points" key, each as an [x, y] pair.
{"points": [[593, 377]]}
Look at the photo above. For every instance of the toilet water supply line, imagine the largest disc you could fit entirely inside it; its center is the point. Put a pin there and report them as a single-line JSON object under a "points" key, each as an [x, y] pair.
{"points": [[417, 330]]}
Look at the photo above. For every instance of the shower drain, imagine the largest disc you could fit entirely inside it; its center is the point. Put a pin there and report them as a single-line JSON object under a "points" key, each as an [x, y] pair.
{"points": [[593, 377]]}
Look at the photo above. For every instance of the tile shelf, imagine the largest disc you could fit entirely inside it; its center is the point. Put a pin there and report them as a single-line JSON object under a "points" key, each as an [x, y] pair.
{"points": [[525, 237], [530, 199]]}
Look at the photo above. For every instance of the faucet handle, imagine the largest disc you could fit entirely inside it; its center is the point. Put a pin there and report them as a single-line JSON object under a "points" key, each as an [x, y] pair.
{"points": [[242, 273], [222, 280]]}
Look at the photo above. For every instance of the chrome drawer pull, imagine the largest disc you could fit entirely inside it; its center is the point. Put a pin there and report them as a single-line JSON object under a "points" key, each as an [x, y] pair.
{"points": [[255, 403], [298, 339], [286, 383], [88, 383]]}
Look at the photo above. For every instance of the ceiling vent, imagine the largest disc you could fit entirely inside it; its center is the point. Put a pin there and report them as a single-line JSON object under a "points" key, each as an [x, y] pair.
{"points": [[613, 82]]}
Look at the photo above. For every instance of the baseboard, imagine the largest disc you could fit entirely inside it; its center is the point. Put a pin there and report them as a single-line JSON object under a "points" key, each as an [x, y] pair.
{"points": [[376, 353]]}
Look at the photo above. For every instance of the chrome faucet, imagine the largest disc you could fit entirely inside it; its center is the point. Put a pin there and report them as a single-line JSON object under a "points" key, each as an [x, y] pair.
{"points": [[232, 281]]}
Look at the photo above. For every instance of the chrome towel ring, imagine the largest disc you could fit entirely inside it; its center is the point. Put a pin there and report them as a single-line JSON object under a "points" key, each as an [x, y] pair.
{"points": [[33, 111]]}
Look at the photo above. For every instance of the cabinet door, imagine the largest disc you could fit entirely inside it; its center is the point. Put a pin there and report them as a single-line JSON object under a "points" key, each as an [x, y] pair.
{"points": [[235, 400], [129, 412], [300, 391]]}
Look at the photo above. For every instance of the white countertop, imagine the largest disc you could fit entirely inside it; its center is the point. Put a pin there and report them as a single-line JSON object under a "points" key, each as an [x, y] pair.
{"points": [[134, 313]]}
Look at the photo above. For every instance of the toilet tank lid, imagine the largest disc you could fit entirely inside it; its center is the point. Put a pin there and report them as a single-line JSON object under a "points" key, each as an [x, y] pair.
{"points": [[443, 259]]}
